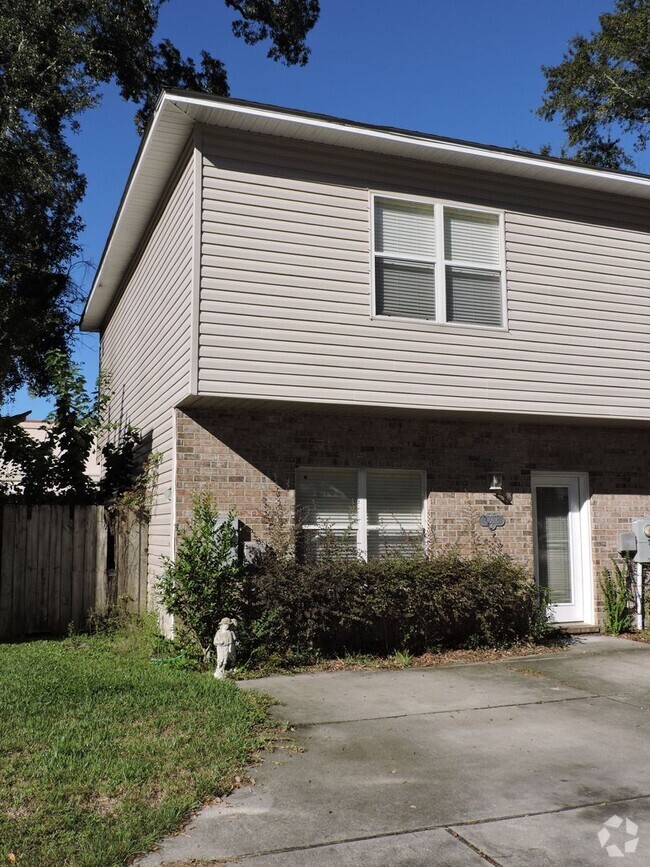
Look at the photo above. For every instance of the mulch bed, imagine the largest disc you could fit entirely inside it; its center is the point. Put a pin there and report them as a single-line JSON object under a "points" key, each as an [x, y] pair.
{"points": [[426, 660]]}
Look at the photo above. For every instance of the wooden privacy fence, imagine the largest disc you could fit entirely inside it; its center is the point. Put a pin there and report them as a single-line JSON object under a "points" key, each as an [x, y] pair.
{"points": [[60, 562], [127, 564]]}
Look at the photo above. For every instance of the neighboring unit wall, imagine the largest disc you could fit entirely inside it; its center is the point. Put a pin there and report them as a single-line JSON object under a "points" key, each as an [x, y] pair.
{"points": [[248, 459], [285, 301], [10, 474], [145, 347]]}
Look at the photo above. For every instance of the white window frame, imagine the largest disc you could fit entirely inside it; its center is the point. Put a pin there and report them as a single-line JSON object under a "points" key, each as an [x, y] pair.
{"points": [[362, 501], [438, 260]]}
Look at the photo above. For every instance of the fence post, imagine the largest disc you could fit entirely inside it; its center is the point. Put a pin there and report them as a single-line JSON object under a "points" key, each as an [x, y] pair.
{"points": [[102, 595]]}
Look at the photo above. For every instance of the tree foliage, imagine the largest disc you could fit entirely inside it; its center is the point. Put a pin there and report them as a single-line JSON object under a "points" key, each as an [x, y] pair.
{"points": [[601, 90], [203, 583], [54, 58], [53, 469], [285, 22]]}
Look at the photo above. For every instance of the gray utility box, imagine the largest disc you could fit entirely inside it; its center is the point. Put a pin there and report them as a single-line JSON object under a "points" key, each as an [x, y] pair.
{"points": [[242, 536], [642, 533], [626, 544], [253, 551]]}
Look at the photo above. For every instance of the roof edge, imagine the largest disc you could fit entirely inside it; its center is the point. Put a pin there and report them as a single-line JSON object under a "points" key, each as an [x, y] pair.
{"points": [[173, 109], [129, 181], [190, 96]]}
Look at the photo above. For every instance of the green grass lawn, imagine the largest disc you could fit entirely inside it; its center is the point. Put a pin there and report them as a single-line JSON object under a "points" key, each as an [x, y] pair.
{"points": [[101, 751]]}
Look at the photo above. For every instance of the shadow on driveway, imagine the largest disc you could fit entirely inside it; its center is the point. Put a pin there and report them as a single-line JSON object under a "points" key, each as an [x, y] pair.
{"points": [[517, 763]]}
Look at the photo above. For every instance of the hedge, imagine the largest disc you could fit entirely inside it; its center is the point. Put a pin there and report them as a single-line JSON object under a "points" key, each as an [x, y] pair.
{"points": [[299, 612]]}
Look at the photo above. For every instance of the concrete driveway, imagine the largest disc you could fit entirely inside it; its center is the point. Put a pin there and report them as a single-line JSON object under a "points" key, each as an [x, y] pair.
{"points": [[516, 763]]}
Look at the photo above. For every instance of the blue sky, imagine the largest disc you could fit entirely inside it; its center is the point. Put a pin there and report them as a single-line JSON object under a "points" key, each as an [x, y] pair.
{"points": [[466, 69]]}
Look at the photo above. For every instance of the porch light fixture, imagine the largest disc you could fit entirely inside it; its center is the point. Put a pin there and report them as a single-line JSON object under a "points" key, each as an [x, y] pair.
{"points": [[496, 482]]}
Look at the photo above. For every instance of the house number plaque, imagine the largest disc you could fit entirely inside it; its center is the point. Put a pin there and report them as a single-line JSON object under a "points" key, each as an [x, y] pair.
{"points": [[491, 520]]}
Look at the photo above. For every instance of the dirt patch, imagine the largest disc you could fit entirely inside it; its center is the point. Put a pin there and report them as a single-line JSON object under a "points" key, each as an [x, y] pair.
{"points": [[22, 811], [103, 805], [156, 797], [641, 637], [365, 662]]}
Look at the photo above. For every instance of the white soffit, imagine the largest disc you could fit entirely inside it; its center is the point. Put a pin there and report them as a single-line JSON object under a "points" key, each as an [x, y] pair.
{"points": [[178, 112]]}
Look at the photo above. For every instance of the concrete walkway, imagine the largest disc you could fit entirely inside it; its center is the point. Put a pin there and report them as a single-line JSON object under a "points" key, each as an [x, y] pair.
{"points": [[516, 763]]}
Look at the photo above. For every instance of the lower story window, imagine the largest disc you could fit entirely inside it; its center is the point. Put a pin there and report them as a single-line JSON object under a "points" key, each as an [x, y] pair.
{"points": [[361, 512]]}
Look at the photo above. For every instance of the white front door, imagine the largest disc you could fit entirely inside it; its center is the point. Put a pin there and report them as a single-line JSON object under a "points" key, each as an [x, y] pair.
{"points": [[563, 544]]}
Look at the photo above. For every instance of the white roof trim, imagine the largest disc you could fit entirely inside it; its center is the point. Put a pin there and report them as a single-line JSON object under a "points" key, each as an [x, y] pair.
{"points": [[363, 133], [177, 113]]}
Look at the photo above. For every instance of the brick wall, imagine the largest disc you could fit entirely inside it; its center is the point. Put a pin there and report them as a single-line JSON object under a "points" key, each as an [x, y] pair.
{"points": [[247, 459]]}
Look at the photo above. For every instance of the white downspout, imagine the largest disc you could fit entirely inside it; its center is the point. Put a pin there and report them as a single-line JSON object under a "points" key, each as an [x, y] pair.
{"points": [[639, 595]]}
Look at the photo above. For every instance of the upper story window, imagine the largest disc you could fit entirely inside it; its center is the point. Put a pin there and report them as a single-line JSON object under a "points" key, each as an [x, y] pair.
{"points": [[437, 262]]}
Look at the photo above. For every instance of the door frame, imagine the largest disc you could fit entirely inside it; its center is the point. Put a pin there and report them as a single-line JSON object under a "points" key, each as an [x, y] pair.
{"points": [[586, 578]]}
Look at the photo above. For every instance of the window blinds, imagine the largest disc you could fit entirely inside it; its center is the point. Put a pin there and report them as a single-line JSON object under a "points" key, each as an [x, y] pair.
{"points": [[394, 499], [405, 289], [404, 228], [473, 296], [327, 511], [370, 512], [554, 546], [394, 512], [328, 497], [418, 274], [472, 237]]}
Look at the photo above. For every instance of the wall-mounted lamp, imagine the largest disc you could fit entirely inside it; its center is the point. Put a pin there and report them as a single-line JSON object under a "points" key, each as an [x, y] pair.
{"points": [[495, 481], [496, 487]]}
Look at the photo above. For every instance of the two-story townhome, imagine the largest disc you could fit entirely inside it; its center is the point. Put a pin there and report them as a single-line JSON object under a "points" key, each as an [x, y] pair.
{"points": [[395, 332]]}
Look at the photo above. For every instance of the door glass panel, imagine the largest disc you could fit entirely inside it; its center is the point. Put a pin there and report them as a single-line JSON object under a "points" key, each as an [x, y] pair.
{"points": [[554, 543]]}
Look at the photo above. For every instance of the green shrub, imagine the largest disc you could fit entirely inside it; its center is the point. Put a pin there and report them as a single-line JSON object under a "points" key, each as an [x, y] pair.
{"points": [[617, 599], [300, 612], [204, 582], [292, 613]]}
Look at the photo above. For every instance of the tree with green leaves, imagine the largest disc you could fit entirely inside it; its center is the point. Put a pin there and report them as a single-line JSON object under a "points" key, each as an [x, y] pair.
{"points": [[53, 468], [204, 581], [54, 58], [601, 90]]}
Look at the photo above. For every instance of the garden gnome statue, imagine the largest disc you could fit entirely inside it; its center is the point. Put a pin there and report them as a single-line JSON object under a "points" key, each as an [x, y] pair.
{"points": [[225, 641]]}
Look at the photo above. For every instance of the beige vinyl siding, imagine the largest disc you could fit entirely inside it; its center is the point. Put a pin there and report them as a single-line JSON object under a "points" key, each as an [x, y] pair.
{"points": [[145, 346], [285, 289]]}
